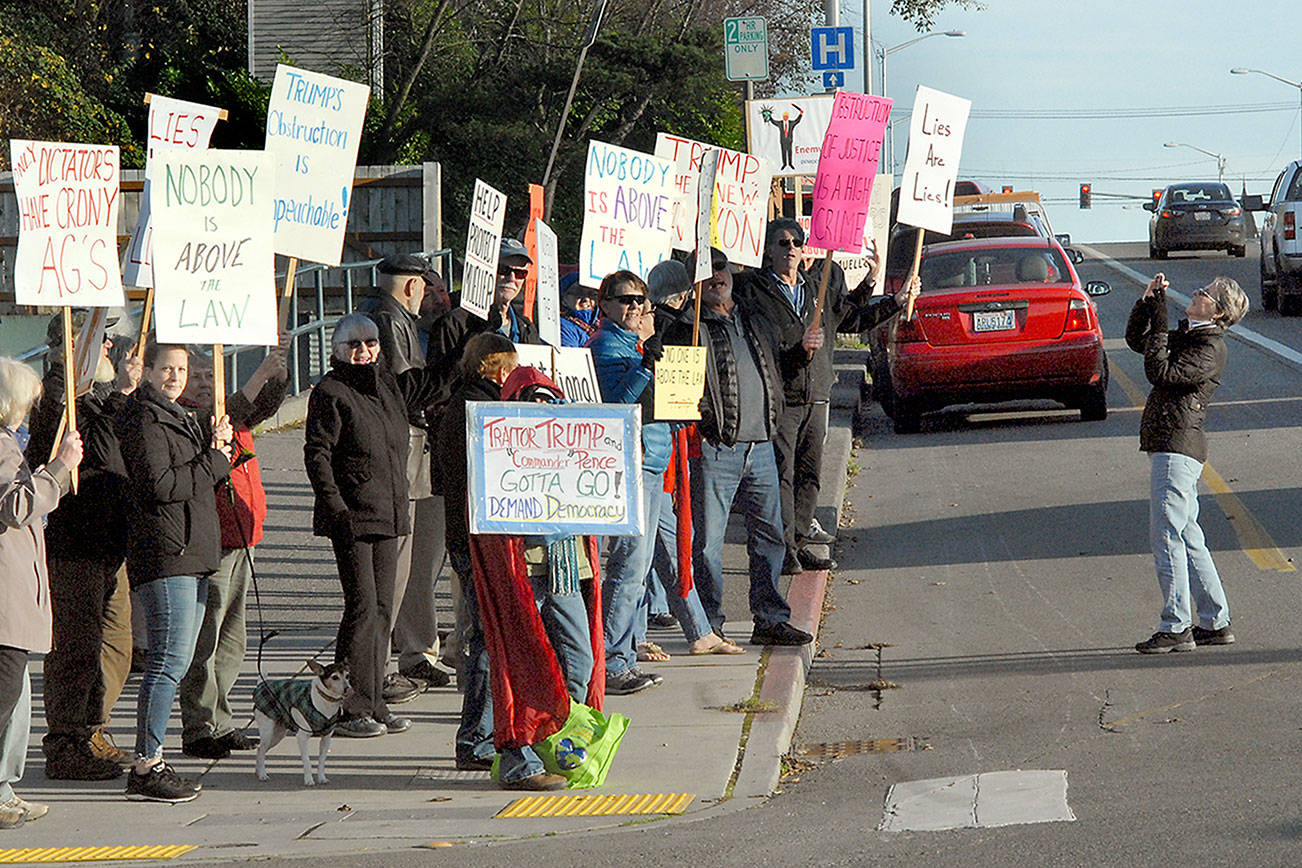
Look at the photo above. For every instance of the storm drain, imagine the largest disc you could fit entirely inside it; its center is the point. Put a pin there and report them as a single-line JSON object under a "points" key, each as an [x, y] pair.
{"points": [[94, 854], [595, 806], [832, 750]]}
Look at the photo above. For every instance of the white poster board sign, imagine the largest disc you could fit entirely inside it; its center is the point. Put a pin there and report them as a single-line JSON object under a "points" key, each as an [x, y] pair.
{"points": [[173, 124], [546, 468], [67, 223], [571, 368], [935, 145], [628, 212], [214, 263], [314, 125], [549, 285], [705, 200], [483, 246], [788, 132]]}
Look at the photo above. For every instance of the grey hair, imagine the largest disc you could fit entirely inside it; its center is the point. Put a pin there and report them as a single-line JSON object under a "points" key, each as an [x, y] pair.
{"points": [[1231, 300], [351, 327], [20, 386], [668, 282]]}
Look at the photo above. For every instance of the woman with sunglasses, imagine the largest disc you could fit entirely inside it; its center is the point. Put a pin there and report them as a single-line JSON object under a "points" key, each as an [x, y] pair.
{"points": [[356, 457]]}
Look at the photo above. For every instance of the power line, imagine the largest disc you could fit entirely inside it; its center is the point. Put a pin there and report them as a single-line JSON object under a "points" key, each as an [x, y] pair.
{"points": [[1154, 112]]}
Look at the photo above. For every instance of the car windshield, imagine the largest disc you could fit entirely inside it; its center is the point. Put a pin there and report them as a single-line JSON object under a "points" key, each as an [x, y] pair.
{"points": [[997, 266], [1200, 193]]}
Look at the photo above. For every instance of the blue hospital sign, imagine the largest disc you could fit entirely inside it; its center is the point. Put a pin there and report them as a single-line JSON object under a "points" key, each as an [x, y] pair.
{"points": [[832, 47]]}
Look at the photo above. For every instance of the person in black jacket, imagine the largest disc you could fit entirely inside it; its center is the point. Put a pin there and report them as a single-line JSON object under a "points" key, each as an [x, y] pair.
{"points": [[355, 452], [1184, 367], [173, 544], [739, 414]]}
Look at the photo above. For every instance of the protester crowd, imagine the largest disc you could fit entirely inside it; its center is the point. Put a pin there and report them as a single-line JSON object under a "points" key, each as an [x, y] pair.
{"points": [[169, 508]]}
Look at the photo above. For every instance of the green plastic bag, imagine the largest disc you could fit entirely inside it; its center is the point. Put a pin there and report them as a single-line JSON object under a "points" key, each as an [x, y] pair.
{"points": [[583, 749]]}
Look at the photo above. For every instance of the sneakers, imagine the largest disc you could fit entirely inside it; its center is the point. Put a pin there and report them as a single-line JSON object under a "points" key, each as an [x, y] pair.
{"points": [[161, 784], [537, 783], [426, 673], [818, 536], [238, 739], [68, 758], [791, 565], [662, 621], [395, 725], [103, 746], [1160, 643], [1203, 636], [811, 561], [655, 679], [11, 818], [628, 682], [399, 689], [779, 634], [360, 727], [475, 764], [31, 810], [206, 747]]}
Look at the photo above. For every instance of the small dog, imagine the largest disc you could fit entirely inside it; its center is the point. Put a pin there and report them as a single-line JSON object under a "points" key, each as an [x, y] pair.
{"points": [[305, 708]]}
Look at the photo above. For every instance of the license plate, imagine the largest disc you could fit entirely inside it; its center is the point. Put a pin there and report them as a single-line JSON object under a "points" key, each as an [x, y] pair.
{"points": [[993, 321], [1202, 215]]}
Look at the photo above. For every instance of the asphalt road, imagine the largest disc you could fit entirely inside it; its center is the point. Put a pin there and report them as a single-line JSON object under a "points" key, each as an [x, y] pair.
{"points": [[1002, 560]]}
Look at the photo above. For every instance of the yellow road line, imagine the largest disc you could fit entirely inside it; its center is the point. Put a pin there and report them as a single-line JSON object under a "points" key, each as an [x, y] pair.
{"points": [[597, 805], [1255, 541], [93, 854]]}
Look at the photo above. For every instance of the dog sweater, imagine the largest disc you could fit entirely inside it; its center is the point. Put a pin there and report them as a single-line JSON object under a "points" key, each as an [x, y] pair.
{"points": [[276, 699]]}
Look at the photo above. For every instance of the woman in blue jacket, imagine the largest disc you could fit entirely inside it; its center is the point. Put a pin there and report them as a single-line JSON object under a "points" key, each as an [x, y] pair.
{"points": [[625, 349]]}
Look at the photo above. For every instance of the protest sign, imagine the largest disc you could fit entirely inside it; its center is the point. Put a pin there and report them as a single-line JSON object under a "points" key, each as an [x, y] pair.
{"points": [[875, 236], [214, 266], [846, 169], [628, 212], [314, 125], [705, 203], [536, 208], [571, 368], [935, 145], [546, 469], [549, 284], [680, 383], [483, 244], [67, 224], [740, 197], [788, 132], [173, 124]]}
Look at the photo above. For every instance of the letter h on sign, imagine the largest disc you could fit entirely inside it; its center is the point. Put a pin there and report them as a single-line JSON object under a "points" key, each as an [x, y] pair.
{"points": [[832, 47]]}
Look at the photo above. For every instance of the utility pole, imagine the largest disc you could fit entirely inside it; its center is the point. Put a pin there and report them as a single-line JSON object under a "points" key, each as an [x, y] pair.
{"points": [[868, 48]]}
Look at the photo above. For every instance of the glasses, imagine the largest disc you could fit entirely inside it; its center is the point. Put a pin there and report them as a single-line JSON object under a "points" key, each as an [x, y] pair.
{"points": [[511, 271], [788, 243], [629, 300], [357, 344], [1213, 299], [720, 264]]}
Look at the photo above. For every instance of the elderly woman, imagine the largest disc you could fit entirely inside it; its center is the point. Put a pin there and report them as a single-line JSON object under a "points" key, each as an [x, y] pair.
{"points": [[356, 457], [26, 497], [625, 350], [174, 465]]}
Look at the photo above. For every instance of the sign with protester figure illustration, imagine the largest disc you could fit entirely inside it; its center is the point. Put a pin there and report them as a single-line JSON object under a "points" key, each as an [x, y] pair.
{"points": [[788, 132]]}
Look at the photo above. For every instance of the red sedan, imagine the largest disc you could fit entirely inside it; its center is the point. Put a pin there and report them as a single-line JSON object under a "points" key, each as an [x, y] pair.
{"points": [[998, 319]]}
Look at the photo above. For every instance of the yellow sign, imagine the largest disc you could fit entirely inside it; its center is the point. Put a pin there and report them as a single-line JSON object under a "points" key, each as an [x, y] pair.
{"points": [[680, 382]]}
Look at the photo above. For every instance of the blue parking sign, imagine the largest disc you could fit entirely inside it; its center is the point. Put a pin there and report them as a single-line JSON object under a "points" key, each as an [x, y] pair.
{"points": [[832, 47]]}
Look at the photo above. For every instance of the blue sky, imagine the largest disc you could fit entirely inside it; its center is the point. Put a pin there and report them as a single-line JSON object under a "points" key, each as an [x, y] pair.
{"points": [[1079, 60]]}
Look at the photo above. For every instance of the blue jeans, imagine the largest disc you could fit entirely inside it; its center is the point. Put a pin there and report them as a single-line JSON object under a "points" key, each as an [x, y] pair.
{"points": [[475, 734], [723, 473], [174, 609], [1179, 551]]}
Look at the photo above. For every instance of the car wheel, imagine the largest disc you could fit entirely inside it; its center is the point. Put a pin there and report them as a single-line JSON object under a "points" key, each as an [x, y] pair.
{"points": [[882, 390], [1156, 253], [1269, 297], [1094, 403], [906, 417], [1290, 305], [1152, 251], [1239, 251]]}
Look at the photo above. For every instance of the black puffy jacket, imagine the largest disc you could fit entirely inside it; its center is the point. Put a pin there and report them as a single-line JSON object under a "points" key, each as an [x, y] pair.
{"points": [[1185, 368], [172, 472]]}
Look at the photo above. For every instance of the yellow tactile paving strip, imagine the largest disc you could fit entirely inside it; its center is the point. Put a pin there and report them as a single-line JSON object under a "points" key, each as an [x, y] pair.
{"points": [[93, 854], [592, 806]]}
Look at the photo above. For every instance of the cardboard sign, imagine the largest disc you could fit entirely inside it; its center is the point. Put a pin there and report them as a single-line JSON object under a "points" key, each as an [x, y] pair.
{"points": [[549, 285], [214, 266], [846, 169], [705, 202], [314, 125], [571, 368], [935, 145], [536, 207], [67, 223], [174, 124], [546, 468], [788, 132], [628, 212], [740, 205], [875, 236], [680, 383], [483, 245]]}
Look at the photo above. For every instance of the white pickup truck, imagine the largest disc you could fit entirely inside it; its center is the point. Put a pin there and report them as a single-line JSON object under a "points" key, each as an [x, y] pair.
{"points": [[1281, 243]]}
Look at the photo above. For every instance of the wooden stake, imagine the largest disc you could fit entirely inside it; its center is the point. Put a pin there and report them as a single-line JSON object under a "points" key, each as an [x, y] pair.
{"points": [[696, 322], [69, 385], [139, 351], [291, 272], [822, 290], [917, 263], [218, 381]]}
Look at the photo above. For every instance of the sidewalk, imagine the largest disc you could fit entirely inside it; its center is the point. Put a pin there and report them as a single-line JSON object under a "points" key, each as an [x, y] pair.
{"points": [[402, 791]]}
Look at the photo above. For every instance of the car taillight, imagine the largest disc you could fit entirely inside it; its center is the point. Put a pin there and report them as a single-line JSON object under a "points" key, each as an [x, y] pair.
{"points": [[908, 331], [1290, 226], [1232, 212], [1078, 316], [1168, 213]]}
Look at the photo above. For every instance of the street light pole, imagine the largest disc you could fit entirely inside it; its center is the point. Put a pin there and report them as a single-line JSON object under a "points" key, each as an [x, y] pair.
{"points": [[1220, 158], [881, 55], [1239, 70]]}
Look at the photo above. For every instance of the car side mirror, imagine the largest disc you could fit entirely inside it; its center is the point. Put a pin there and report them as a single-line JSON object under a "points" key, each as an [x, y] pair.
{"points": [[1097, 288], [1064, 239], [1075, 255], [1253, 203], [1149, 206]]}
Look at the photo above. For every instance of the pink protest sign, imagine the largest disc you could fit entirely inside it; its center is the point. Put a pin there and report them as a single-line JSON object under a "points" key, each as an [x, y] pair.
{"points": [[846, 168]]}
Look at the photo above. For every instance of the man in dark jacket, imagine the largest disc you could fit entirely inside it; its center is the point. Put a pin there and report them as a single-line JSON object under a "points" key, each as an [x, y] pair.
{"points": [[739, 415], [788, 296], [1184, 366]]}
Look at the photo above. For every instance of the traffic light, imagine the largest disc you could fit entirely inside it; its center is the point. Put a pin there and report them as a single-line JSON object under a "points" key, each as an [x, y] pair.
{"points": [[1008, 188], [1084, 195]]}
